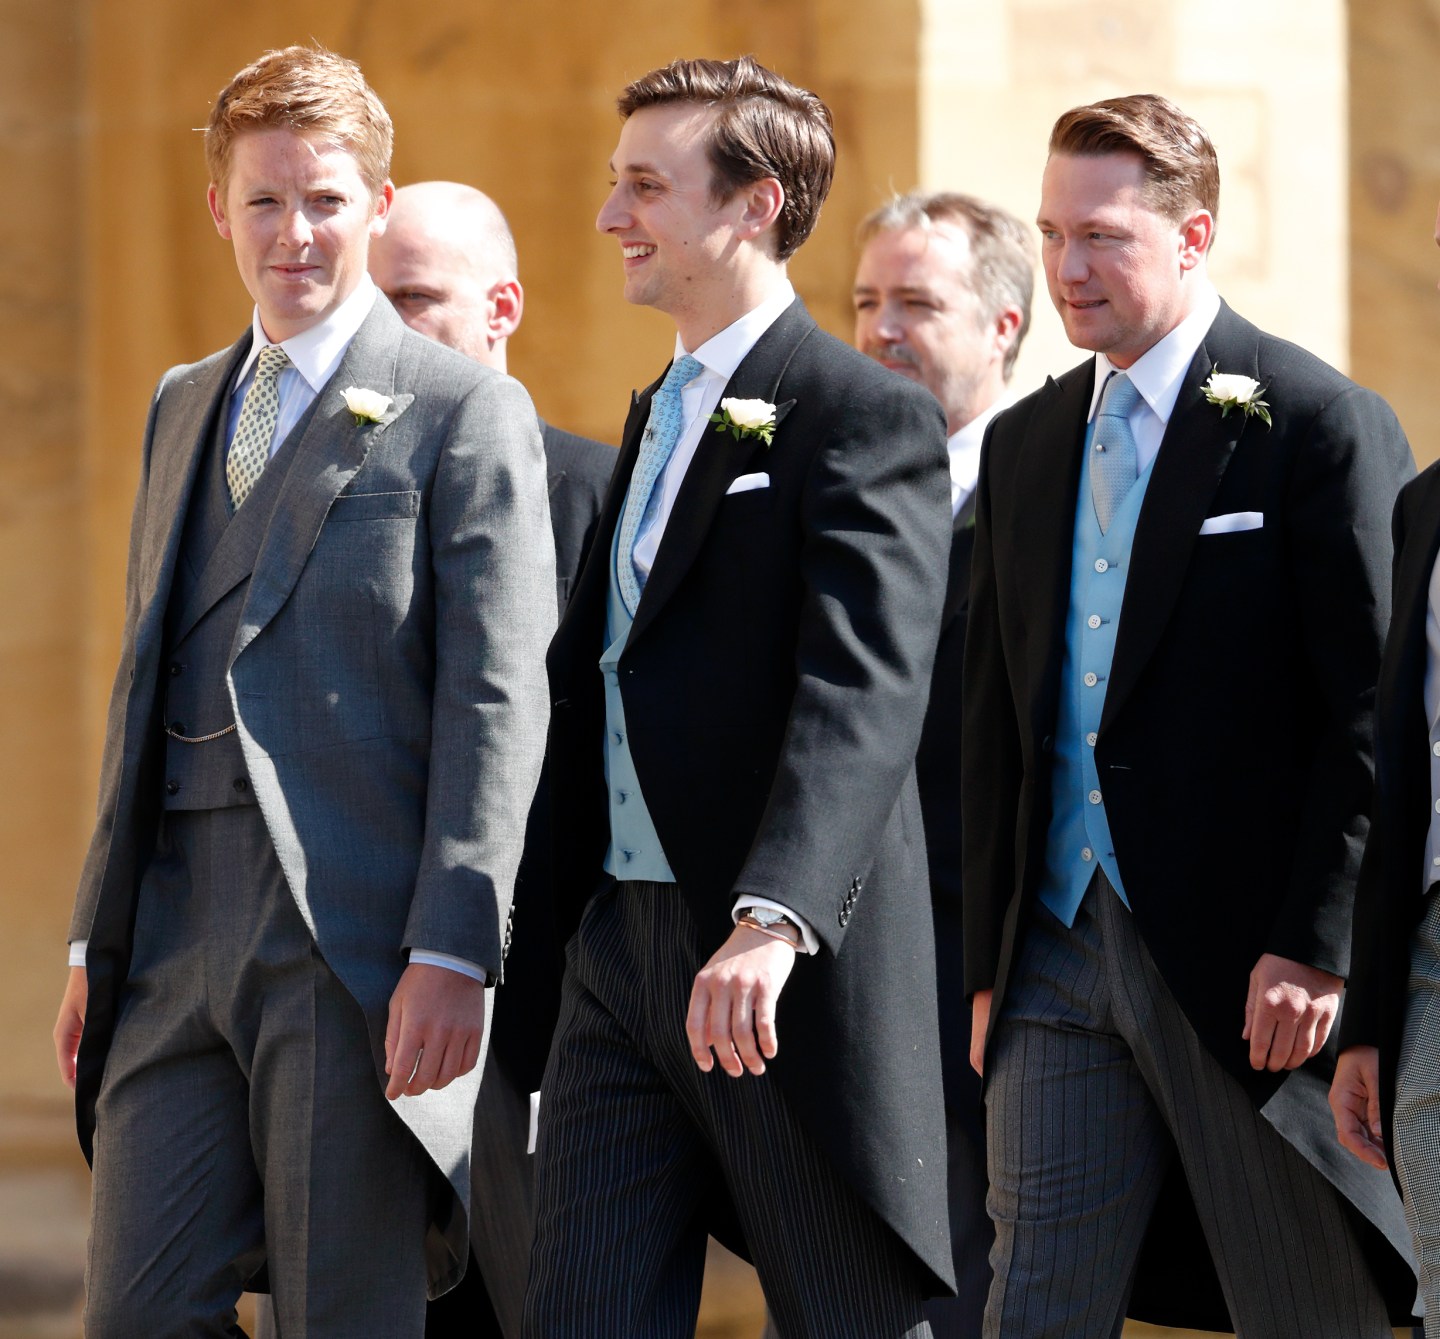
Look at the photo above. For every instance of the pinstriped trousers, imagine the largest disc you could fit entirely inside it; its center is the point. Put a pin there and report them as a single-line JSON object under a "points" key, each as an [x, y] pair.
{"points": [[1415, 1126], [636, 1144], [1095, 1082]]}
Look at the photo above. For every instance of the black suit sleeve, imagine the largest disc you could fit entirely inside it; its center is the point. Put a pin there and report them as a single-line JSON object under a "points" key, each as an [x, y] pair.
{"points": [[876, 530], [1341, 498]]}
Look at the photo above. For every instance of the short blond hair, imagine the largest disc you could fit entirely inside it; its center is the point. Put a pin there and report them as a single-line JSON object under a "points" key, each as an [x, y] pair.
{"points": [[313, 92]]}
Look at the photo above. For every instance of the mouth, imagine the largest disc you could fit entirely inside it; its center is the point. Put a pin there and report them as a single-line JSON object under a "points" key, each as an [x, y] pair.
{"points": [[294, 271], [1084, 304], [637, 250]]}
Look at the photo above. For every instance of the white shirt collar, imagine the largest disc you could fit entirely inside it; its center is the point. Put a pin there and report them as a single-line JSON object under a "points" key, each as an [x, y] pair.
{"points": [[964, 447], [1159, 372], [721, 354], [316, 353]]}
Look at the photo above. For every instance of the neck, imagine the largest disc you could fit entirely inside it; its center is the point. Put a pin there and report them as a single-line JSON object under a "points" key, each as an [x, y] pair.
{"points": [[743, 289]]}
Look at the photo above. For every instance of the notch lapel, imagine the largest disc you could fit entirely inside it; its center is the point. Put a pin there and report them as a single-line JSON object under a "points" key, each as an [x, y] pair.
{"points": [[718, 460], [330, 451], [1401, 703], [1194, 455]]}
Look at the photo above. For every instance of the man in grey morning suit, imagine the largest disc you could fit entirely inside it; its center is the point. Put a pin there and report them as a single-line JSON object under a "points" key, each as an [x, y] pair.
{"points": [[739, 684], [1175, 623], [324, 736], [942, 296], [447, 263]]}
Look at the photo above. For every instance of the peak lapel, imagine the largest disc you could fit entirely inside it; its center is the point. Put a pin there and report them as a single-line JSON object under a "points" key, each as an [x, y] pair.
{"points": [[1194, 454], [1048, 470], [718, 459], [330, 451]]}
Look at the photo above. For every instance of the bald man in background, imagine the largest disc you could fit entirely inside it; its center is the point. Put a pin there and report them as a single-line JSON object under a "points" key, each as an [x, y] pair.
{"points": [[448, 265]]}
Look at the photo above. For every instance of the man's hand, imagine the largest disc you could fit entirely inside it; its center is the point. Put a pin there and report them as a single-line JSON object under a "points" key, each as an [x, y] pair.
{"points": [[1355, 1103], [1288, 1012], [70, 1023], [979, 1026], [732, 1004], [432, 1037]]}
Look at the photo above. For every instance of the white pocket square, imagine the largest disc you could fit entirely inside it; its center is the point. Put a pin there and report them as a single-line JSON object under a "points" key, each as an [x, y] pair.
{"points": [[744, 483], [1232, 521]]}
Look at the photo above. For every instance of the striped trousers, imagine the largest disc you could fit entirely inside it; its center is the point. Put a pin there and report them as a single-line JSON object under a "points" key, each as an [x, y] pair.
{"points": [[637, 1145], [1096, 1081]]}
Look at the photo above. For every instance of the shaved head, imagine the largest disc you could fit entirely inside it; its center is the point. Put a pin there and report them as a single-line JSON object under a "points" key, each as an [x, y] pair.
{"points": [[447, 262]]}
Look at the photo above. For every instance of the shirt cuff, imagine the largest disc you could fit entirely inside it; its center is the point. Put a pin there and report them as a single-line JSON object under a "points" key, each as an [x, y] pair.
{"points": [[77, 952], [808, 942], [464, 966]]}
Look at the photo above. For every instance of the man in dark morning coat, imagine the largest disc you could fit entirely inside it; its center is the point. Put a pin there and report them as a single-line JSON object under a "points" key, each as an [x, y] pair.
{"points": [[447, 262], [1386, 1092], [1179, 591], [324, 738], [942, 296], [748, 1017]]}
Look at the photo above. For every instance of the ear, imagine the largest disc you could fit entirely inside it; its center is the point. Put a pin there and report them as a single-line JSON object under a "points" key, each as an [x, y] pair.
{"points": [[217, 211], [380, 218], [507, 305], [1197, 231], [1004, 331], [762, 202]]}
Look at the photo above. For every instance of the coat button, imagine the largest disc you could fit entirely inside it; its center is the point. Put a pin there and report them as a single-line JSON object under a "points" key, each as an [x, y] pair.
{"points": [[241, 784], [177, 727], [1047, 745], [175, 668], [172, 787]]}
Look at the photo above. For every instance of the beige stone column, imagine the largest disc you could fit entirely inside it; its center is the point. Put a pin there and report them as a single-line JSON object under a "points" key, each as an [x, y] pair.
{"points": [[1267, 81]]}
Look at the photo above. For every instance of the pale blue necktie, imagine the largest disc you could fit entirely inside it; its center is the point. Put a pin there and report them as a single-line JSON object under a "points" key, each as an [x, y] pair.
{"points": [[1114, 461], [662, 433]]}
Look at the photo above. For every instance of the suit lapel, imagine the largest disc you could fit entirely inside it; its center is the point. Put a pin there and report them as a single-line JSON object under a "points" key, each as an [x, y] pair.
{"points": [[1402, 696], [1193, 457], [1048, 474], [330, 451], [718, 459], [191, 407]]}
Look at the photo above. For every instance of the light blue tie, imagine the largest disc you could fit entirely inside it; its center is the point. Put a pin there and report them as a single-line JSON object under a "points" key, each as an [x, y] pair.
{"points": [[1114, 461], [662, 433]]}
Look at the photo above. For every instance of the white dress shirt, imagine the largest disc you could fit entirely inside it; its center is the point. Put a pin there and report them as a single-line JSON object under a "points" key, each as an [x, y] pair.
{"points": [[720, 355], [314, 355], [1158, 374], [964, 448]]}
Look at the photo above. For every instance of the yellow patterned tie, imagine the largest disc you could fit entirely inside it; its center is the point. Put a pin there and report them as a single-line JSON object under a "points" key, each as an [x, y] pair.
{"points": [[250, 449]]}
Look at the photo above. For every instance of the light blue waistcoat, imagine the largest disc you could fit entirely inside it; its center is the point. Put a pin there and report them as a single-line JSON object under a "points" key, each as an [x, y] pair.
{"points": [[1079, 833], [634, 851]]}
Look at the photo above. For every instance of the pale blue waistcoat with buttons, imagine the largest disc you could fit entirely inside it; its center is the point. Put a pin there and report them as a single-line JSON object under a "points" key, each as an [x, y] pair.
{"points": [[1079, 833], [635, 851]]}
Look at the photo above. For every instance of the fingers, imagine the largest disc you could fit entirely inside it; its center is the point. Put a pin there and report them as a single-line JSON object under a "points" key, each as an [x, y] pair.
{"points": [[70, 1023], [731, 1015], [979, 1026]]}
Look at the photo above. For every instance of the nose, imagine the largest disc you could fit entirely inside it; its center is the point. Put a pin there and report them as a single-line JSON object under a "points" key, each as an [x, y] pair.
{"points": [[888, 327], [613, 217], [1070, 264], [295, 230]]}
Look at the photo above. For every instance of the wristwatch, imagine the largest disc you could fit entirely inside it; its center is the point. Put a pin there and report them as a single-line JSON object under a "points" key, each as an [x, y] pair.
{"points": [[768, 916]]}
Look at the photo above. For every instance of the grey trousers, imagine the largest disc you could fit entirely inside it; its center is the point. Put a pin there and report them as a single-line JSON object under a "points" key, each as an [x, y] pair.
{"points": [[1415, 1126], [1095, 1082], [241, 1120], [636, 1143]]}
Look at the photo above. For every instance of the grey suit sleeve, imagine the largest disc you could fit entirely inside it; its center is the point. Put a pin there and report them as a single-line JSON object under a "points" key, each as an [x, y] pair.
{"points": [[112, 759], [494, 566]]}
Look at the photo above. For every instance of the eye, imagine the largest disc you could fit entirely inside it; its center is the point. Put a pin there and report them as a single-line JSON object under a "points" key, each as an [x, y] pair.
{"points": [[865, 304]]}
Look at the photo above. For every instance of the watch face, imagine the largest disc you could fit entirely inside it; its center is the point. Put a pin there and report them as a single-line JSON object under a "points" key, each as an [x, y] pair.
{"points": [[767, 916]]}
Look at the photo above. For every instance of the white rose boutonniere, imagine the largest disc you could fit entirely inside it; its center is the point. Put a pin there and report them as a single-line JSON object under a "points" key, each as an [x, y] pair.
{"points": [[1230, 391], [746, 418], [367, 406]]}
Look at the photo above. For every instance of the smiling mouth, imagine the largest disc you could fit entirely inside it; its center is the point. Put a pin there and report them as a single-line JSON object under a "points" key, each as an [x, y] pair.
{"points": [[637, 250]]}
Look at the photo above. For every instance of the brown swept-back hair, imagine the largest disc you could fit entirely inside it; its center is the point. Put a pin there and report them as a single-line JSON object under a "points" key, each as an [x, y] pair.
{"points": [[1181, 171], [1002, 252], [313, 92], [766, 127]]}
